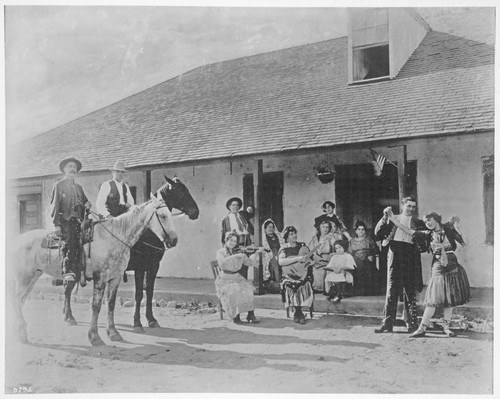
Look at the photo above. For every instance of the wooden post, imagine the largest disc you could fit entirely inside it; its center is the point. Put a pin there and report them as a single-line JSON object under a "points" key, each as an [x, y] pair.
{"points": [[402, 158], [257, 181], [147, 184]]}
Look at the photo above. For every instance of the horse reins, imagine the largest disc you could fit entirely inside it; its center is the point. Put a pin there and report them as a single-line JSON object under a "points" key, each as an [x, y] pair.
{"points": [[149, 220]]}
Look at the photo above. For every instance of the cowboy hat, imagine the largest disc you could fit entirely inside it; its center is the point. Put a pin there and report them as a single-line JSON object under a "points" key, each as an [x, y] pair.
{"points": [[119, 166], [63, 163], [231, 200]]}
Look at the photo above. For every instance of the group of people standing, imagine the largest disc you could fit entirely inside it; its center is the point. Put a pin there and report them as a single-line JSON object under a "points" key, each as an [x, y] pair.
{"points": [[333, 260]]}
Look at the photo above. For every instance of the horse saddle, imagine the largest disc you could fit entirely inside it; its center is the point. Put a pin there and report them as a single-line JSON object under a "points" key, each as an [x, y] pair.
{"points": [[51, 241]]}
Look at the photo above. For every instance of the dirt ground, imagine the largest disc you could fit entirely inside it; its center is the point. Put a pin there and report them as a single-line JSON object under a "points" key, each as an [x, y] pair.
{"points": [[194, 352]]}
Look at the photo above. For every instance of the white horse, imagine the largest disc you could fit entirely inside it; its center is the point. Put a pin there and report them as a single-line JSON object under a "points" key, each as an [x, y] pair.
{"points": [[110, 253]]}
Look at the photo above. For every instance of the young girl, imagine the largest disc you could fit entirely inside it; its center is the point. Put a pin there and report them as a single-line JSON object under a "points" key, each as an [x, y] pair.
{"points": [[337, 268]]}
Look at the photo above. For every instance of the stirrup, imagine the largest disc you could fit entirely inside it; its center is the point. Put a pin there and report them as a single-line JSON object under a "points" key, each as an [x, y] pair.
{"points": [[69, 276]]}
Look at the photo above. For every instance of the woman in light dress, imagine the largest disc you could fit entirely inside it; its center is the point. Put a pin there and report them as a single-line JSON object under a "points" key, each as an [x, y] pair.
{"points": [[233, 290]]}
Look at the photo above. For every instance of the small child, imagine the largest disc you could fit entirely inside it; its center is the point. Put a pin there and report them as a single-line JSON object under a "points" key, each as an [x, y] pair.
{"points": [[337, 268]]}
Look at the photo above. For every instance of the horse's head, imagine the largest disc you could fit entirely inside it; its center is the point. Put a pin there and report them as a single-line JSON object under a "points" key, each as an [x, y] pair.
{"points": [[176, 195], [161, 223]]}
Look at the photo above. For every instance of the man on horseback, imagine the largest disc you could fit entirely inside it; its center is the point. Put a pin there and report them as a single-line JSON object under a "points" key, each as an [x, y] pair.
{"points": [[114, 196], [68, 206]]}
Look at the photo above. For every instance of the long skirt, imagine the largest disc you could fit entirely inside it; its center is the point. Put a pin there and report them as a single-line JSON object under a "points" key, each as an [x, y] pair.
{"points": [[235, 293], [448, 286], [297, 293]]}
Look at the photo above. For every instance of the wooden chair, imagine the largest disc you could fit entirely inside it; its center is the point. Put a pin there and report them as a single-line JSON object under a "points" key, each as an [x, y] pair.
{"points": [[215, 271]]}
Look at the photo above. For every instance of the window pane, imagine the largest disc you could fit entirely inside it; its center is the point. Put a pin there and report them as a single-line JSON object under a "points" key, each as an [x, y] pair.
{"points": [[369, 63]]}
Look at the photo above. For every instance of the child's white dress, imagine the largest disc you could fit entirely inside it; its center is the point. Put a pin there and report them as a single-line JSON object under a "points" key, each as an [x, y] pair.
{"points": [[343, 262]]}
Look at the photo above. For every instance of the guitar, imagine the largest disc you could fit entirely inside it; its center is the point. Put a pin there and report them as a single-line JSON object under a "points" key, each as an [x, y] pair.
{"points": [[298, 270]]}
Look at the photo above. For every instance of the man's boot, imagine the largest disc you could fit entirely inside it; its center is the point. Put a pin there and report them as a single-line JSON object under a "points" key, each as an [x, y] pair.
{"points": [[385, 327]]}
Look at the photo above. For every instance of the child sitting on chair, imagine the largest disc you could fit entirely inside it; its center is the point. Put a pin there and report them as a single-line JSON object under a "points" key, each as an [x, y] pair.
{"points": [[337, 269]]}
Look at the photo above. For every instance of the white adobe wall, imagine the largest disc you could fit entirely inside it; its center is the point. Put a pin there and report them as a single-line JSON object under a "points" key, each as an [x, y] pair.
{"points": [[449, 182]]}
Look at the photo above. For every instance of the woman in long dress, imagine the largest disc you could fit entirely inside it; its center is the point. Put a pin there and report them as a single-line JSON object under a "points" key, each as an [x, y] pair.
{"points": [[322, 245], [233, 290], [448, 286], [363, 249], [297, 292], [272, 241]]}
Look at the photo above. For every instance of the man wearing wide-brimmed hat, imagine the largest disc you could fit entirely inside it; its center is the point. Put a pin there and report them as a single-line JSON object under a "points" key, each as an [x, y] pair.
{"points": [[237, 221], [68, 205], [114, 196]]}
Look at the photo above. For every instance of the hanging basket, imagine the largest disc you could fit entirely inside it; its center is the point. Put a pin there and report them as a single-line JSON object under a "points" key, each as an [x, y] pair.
{"points": [[325, 176]]}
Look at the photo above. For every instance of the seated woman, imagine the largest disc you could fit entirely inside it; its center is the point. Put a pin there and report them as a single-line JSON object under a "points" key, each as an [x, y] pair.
{"points": [[364, 249], [448, 285], [272, 241], [296, 285], [322, 246], [233, 290], [339, 268]]}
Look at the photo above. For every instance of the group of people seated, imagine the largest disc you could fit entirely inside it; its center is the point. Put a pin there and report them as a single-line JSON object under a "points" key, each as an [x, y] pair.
{"points": [[333, 262]]}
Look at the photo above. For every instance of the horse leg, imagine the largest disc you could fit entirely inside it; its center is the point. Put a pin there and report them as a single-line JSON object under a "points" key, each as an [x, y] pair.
{"points": [[111, 329], [68, 315], [98, 294], [150, 286], [139, 278], [23, 288]]}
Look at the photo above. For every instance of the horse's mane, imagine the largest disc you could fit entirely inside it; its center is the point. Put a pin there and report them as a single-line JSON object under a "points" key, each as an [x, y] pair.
{"points": [[120, 224]]}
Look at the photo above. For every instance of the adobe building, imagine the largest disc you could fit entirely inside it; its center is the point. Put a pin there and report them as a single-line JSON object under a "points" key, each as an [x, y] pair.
{"points": [[289, 129]]}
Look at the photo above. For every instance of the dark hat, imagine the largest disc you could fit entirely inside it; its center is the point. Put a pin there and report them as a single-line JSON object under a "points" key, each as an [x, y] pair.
{"points": [[230, 200], [328, 203], [63, 163]]}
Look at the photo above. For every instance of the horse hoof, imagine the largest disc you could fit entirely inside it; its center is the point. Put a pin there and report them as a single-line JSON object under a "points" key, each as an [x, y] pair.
{"points": [[139, 330], [71, 322], [23, 338], [116, 337], [97, 342], [153, 324]]}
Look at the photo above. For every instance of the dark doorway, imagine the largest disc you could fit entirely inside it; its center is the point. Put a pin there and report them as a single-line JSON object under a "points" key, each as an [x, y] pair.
{"points": [[360, 195], [30, 213], [271, 200]]}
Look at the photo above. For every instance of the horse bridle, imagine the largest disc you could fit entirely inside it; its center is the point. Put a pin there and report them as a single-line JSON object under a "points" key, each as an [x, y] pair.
{"points": [[159, 221], [149, 220]]}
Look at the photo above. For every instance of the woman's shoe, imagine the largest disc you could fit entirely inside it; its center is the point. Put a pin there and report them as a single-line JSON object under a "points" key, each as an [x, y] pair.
{"points": [[251, 319], [419, 333], [299, 318], [447, 331], [237, 320]]}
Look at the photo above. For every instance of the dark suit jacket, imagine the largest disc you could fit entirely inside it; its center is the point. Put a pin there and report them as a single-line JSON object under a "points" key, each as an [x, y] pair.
{"points": [[420, 244], [68, 200]]}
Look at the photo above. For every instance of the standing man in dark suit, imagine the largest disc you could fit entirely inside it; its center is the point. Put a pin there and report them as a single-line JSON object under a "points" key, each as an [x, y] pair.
{"points": [[68, 205], [237, 221], [404, 273]]}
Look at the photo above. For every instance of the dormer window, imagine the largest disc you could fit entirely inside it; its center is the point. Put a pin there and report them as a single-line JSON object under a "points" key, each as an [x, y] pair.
{"points": [[370, 44], [380, 42]]}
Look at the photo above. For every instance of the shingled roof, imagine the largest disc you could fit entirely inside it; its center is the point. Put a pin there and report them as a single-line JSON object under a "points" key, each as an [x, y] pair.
{"points": [[284, 100]]}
